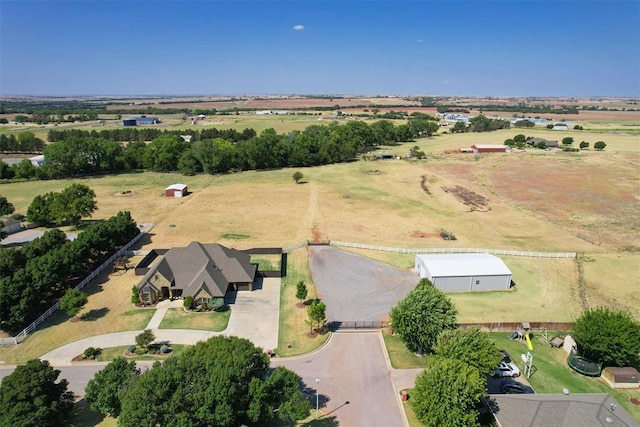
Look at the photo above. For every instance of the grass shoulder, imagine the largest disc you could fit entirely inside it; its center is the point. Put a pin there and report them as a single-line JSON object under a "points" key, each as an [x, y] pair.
{"points": [[399, 355]]}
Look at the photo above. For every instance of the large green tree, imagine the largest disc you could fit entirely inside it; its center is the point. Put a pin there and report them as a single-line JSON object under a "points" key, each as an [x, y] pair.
{"points": [[470, 346], [608, 336], [446, 394], [6, 208], [422, 315], [30, 396], [103, 392], [224, 381], [317, 314]]}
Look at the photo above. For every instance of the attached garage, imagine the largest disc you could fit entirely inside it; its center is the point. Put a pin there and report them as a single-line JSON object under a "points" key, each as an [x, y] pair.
{"points": [[464, 272], [176, 190]]}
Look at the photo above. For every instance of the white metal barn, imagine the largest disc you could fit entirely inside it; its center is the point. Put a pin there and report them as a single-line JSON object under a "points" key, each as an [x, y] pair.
{"points": [[464, 272]]}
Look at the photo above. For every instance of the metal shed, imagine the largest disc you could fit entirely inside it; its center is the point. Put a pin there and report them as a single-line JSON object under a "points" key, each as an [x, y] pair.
{"points": [[176, 190], [464, 272]]}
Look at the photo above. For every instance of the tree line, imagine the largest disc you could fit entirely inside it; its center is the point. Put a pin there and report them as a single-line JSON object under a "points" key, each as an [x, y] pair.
{"points": [[214, 151], [25, 142], [35, 276], [129, 134]]}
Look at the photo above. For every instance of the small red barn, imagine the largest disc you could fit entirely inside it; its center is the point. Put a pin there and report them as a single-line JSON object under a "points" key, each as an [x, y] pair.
{"points": [[176, 190], [488, 148]]}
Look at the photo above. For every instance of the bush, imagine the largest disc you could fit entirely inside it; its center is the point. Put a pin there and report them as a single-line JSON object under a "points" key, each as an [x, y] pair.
{"points": [[188, 302], [135, 296], [140, 351], [164, 349], [215, 304], [131, 349], [91, 353]]}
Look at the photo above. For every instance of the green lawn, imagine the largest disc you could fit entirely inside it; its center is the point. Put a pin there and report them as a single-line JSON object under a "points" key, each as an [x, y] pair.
{"points": [[399, 355], [177, 318]]}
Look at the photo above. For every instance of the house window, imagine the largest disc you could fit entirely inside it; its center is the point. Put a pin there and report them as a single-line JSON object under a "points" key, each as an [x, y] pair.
{"points": [[477, 282], [202, 301]]}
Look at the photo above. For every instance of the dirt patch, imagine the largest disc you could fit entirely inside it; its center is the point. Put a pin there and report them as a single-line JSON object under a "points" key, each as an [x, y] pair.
{"points": [[470, 198], [123, 193], [315, 233], [423, 184], [634, 401], [312, 334]]}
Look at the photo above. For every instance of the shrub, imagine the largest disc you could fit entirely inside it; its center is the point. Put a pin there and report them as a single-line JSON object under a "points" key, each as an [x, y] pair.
{"points": [[91, 353], [135, 296], [140, 351], [131, 349], [188, 302], [164, 349], [215, 304]]}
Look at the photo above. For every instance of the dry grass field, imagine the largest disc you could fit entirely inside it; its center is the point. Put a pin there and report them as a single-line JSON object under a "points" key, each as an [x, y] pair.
{"points": [[538, 201]]}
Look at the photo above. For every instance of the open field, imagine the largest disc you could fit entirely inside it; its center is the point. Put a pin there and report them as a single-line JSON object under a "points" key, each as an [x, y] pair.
{"points": [[538, 201]]}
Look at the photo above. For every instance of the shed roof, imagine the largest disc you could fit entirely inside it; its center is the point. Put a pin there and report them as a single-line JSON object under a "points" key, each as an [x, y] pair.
{"points": [[458, 265], [489, 146], [180, 187], [626, 374]]}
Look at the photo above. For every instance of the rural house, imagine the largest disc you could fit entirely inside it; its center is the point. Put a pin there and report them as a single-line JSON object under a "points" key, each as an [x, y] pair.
{"points": [[202, 270], [176, 190], [10, 225], [464, 272], [534, 141], [140, 121]]}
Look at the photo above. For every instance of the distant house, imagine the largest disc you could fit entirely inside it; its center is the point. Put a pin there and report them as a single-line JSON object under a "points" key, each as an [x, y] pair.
{"points": [[489, 148], [533, 141], [384, 156], [37, 160], [186, 138], [10, 225], [140, 121], [176, 190], [560, 126], [201, 270]]}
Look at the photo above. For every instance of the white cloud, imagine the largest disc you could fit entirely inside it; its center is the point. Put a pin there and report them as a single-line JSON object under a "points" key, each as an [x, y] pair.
{"points": [[420, 40], [298, 27]]}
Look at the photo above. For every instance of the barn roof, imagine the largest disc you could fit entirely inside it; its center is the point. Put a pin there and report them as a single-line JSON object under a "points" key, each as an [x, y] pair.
{"points": [[179, 187], [458, 265], [489, 146]]}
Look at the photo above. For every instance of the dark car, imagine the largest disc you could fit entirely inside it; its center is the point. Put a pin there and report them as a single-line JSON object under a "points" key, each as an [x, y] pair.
{"points": [[514, 387], [505, 356]]}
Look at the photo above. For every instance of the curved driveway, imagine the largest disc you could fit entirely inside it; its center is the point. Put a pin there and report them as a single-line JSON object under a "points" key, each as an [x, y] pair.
{"points": [[356, 288]]}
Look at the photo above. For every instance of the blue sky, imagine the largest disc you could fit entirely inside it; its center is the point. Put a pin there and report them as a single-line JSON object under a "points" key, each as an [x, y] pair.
{"points": [[478, 48]]}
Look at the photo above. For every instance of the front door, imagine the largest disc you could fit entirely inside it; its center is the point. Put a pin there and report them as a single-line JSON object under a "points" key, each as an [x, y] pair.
{"points": [[164, 292]]}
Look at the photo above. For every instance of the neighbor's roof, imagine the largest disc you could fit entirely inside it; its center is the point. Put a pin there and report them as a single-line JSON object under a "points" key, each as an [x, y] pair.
{"points": [[541, 410], [176, 187], [457, 265]]}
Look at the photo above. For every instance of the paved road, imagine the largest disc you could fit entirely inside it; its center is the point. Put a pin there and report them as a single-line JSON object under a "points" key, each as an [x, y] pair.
{"points": [[357, 288], [352, 368]]}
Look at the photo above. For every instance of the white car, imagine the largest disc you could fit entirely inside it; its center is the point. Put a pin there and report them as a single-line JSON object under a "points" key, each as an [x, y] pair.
{"points": [[505, 369]]}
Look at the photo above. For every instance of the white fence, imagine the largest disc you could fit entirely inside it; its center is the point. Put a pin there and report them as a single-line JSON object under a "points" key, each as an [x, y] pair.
{"points": [[454, 251], [26, 331]]}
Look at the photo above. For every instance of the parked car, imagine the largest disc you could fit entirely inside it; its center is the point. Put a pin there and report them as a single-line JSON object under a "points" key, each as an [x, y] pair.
{"points": [[506, 370], [514, 387], [505, 356]]}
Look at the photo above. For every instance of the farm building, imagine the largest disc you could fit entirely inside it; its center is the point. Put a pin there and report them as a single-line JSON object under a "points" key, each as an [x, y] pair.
{"points": [[488, 148], [464, 272], [621, 377], [140, 121], [176, 190], [202, 270], [37, 160]]}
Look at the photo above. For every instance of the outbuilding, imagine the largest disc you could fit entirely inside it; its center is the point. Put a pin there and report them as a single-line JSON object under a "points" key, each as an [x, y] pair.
{"points": [[10, 225], [176, 190], [489, 148], [464, 272], [627, 377]]}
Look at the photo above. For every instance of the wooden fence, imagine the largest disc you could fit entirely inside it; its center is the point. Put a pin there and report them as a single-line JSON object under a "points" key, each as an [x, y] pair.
{"points": [[26, 331], [455, 250]]}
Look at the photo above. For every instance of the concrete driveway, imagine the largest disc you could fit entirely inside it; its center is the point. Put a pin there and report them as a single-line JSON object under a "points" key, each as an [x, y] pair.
{"points": [[356, 288], [355, 386]]}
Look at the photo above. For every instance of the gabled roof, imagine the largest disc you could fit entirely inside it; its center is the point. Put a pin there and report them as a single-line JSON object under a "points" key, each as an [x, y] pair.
{"points": [[179, 187], [210, 266], [457, 265], [559, 410]]}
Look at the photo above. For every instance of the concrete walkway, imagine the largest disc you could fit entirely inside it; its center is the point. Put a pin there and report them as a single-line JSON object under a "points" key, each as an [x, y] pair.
{"points": [[254, 315]]}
